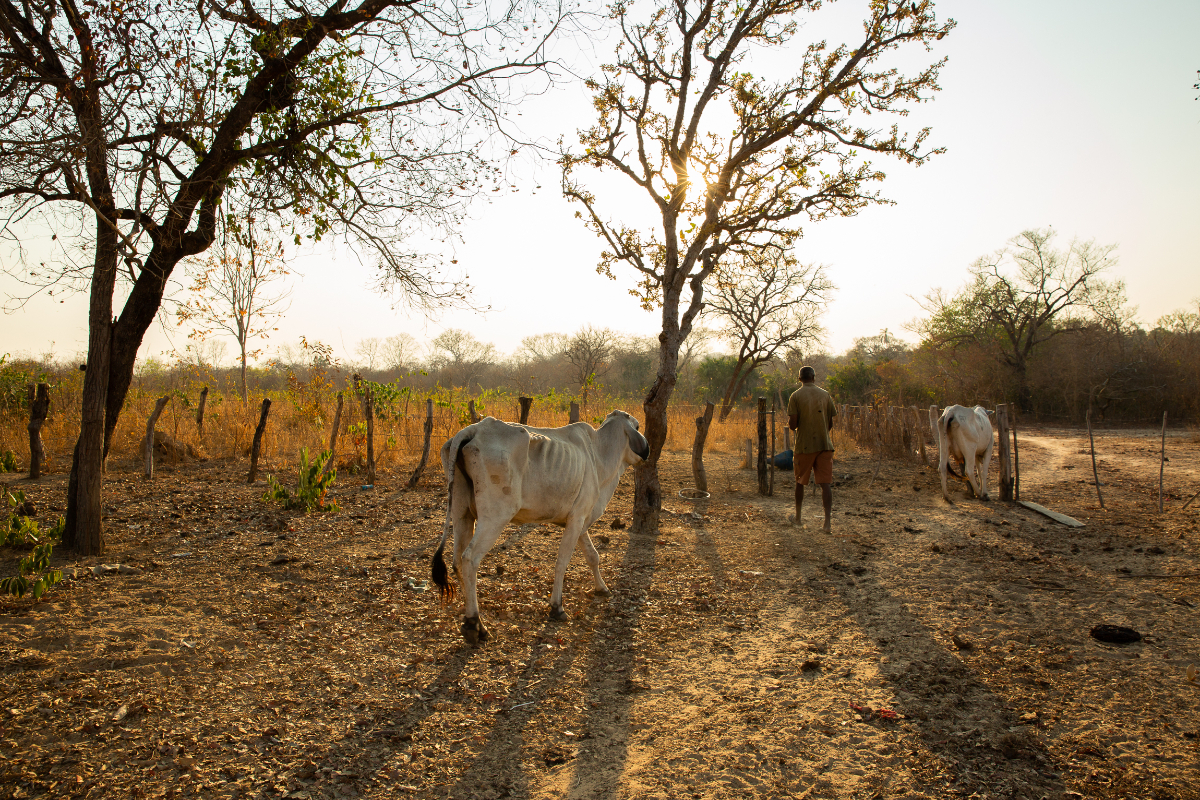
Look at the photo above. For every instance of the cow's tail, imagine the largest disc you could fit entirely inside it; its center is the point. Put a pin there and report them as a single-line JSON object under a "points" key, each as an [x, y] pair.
{"points": [[945, 423], [454, 469]]}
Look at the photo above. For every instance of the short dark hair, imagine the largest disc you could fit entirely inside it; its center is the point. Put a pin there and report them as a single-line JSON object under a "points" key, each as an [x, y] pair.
{"points": [[808, 374]]}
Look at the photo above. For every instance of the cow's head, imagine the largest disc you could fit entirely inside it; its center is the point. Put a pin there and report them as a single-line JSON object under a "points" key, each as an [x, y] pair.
{"points": [[639, 448]]}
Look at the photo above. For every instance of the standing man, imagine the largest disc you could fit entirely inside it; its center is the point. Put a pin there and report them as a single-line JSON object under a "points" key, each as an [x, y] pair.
{"points": [[810, 415]]}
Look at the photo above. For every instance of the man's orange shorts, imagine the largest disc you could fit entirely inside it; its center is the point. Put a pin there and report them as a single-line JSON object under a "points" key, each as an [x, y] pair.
{"points": [[821, 463]]}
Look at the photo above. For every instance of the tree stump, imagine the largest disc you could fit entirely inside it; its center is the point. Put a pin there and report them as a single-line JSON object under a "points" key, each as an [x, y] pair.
{"points": [[702, 424], [256, 449], [526, 404], [39, 408], [574, 417], [471, 410], [148, 442], [416, 476], [200, 411]]}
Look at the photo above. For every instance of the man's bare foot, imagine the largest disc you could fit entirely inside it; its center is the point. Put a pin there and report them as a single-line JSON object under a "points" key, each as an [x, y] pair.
{"points": [[795, 522], [827, 527]]}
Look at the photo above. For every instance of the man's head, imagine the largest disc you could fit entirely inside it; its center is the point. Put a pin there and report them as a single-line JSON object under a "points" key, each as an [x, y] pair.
{"points": [[807, 374]]}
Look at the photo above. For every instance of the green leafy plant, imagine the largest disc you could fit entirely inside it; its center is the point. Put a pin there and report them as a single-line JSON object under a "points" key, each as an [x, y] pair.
{"points": [[310, 489], [8, 462], [35, 576], [20, 529]]}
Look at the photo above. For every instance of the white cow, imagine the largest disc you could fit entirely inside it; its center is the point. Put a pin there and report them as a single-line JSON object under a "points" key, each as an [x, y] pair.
{"points": [[965, 434], [500, 473]]}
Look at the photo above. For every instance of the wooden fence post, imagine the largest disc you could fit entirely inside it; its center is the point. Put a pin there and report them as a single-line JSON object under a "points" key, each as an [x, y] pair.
{"points": [[702, 424], [574, 417], [526, 403], [1006, 472], [200, 411], [256, 449], [787, 432], [148, 442], [1016, 458], [1162, 460], [333, 437], [1092, 445], [368, 404], [771, 463], [763, 488], [39, 407], [416, 476]]}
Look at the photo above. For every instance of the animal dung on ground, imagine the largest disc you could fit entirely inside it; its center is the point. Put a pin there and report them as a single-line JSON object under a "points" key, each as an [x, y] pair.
{"points": [[1115, 634]]}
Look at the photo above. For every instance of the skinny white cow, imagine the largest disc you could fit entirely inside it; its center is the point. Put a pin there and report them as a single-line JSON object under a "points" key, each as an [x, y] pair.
{"points": [[965, 434], [500, 473]]}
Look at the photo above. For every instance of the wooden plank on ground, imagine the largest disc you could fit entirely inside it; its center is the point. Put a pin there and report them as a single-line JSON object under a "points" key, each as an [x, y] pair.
{"points": [[1054, 515]]}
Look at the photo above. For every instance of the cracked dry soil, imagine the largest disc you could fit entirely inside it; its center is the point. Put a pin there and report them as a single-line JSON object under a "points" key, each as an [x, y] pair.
{"points": [[928, 651]]}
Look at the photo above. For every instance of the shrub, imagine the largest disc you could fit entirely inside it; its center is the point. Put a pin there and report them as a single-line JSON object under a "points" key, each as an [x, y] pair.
{"points": [[310, 489]]}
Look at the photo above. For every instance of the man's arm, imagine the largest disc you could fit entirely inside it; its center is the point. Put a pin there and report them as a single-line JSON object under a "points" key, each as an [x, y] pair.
{"points": [[794, 421]]}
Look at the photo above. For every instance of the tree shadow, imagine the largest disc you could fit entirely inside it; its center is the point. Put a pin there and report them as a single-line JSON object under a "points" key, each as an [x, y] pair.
{"points": [[979, 742]]}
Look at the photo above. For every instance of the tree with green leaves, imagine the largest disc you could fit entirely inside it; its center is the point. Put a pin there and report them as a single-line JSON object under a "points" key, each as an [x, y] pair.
{"points": [[1022, 296], [731, 163], [130, 128]]}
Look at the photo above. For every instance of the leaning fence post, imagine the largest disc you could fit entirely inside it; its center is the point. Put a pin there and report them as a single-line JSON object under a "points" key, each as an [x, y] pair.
{"points": [[1092, 445], [258, 437], [771, 465], [416, 476], [1162, 460], [333, 436], [148, 443], [525, 402], [39, 407]]}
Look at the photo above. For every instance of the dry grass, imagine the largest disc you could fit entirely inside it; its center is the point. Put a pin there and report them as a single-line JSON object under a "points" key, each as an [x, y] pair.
{"points": [[301, 416]]}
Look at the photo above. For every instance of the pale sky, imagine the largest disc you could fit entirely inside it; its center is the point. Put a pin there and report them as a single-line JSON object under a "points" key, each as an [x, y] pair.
{"points": [[1076, 115]]}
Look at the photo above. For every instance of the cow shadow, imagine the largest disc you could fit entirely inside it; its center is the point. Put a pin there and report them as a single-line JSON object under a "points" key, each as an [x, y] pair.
{"points": [[606, 654]]}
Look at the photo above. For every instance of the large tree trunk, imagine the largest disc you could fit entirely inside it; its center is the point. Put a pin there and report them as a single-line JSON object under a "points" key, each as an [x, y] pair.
{"points": [[84, 523], [136, 318], [647, 491]]}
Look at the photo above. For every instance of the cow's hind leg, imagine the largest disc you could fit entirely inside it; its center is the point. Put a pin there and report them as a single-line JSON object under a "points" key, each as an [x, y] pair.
{"points": [[593, 560], [565, 549], [486, 534]]}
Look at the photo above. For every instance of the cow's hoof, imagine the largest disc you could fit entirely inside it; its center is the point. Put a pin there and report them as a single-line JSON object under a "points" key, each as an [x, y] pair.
{"points": [[557, 614], [473, 631], [601, 592]]}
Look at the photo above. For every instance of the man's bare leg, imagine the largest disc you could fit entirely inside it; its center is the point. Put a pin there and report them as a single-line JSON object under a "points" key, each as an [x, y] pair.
{"points": [[827, 502], [797, 520]]}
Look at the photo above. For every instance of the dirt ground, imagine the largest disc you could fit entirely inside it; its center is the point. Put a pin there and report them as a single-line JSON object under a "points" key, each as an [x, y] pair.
{"points": [[925, 650]]}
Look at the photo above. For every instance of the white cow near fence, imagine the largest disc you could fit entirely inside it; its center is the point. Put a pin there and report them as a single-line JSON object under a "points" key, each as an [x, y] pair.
{"points": [[500, 473], [965, 434]]}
